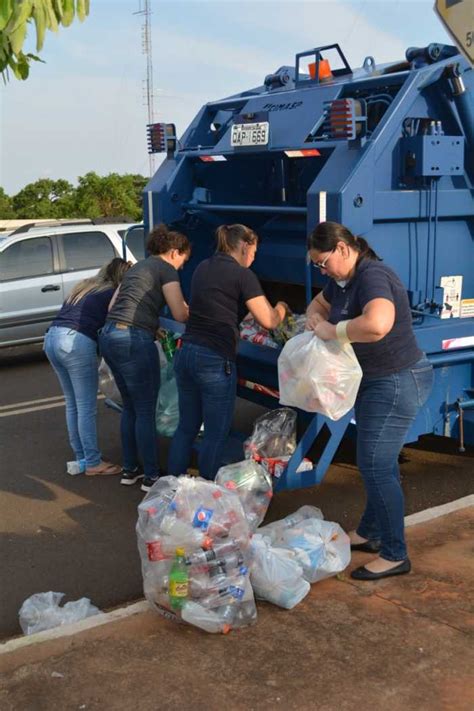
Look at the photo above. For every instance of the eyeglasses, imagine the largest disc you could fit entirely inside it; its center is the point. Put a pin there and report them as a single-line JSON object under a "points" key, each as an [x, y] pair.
{"points": [[322, 265]]}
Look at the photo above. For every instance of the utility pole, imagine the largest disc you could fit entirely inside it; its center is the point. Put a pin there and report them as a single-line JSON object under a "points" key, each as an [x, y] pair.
{"points": [[148, 92]]}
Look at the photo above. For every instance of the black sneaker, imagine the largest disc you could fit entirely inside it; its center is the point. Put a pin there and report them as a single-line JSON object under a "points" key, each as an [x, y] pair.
{"points": [[131, 477], [148, 482]]}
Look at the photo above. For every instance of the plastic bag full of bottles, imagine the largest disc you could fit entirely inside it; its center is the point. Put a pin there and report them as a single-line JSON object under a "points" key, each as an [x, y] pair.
{"points": [[194, 544], [253, 485]]}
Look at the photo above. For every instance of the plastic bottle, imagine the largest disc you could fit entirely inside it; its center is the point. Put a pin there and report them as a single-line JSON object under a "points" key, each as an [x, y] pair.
{"points": [[207, 620], [214, 551], [178, 581], [169, 345]]}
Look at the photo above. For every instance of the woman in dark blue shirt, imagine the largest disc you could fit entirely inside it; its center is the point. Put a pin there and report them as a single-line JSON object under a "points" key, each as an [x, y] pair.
{"points": [[366, 304], [71, 347]]}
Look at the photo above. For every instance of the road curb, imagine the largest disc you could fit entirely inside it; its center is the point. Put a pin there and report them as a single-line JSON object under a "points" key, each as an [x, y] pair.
{"points": [[436, 511], [34, 648]]}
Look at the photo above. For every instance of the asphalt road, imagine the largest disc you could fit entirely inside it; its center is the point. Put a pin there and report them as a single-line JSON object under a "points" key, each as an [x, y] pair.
{"points": [[76, 534]]}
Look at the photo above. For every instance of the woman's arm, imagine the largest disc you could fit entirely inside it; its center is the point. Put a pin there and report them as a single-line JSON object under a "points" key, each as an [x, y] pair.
{"points": [[376, 320], [175, 300], [263, 312]]}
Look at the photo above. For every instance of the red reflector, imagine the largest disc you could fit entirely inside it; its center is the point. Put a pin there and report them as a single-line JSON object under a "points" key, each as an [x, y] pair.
{"points": [[304, 153]]}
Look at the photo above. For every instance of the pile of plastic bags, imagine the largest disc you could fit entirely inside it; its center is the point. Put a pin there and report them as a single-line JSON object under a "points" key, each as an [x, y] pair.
{"points": [[194, 544], [292, 553], [200, 563], [318, 376]]}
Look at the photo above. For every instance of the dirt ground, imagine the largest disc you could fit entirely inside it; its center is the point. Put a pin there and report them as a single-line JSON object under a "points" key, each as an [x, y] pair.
{"points": [[400, 644]]}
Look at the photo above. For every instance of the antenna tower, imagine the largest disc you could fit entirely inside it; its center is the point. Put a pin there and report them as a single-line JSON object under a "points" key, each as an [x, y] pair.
{"points": [[148, 93]]}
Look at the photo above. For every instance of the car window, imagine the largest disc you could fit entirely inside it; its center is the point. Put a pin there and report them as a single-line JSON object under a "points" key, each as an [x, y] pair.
{"points": [[86, 250], [135, 242], [28, 258]]}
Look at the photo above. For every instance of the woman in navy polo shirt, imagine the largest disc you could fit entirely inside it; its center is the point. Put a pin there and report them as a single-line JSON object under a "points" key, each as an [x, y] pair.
{"points": [[205, 365], [366, 304]]}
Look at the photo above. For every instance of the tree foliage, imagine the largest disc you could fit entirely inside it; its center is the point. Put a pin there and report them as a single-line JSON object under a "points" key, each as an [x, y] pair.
{"points": [[45, 199], [95, 196], [6, 208], [110, 195], [16, 15]]}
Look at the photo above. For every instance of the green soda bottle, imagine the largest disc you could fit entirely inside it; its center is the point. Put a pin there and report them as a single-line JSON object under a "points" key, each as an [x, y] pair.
{"points": [[178, 581], [169, 345]]}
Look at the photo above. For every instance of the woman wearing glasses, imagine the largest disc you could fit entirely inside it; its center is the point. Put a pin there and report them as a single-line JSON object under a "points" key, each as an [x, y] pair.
{"points": [[366, 304]]}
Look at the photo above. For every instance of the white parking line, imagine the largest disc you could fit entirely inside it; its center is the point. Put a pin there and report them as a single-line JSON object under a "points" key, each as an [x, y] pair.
{"points": [[25, 410], [31, 402]]}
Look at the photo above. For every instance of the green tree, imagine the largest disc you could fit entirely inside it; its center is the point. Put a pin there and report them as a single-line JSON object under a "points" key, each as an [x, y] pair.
{"points": [[110, 195], [6, 208], [15, 15], [45, 199]]}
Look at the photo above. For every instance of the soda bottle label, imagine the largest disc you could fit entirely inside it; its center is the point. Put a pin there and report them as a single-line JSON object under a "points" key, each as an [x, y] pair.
{"points": [[202, 518], [179, 588], [155, 551]]}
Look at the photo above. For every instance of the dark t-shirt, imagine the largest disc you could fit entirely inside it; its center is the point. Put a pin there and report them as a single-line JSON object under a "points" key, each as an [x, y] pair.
{"points": [[140, 298], [218, 288], [88, 315], [374, 280]]}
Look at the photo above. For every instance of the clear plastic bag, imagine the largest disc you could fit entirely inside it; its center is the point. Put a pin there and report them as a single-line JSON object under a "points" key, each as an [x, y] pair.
{"points": [[167, 406], [321, 547], [274, 434], [107, 385], [252, 484], [276, 575], [318, 376], [273, 531], [42, 612], [208, 521]]}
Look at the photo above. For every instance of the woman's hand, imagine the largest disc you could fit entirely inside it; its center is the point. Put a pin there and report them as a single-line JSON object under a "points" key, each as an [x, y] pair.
{"points": [[282, 310], [325, 331], [312, 321]]}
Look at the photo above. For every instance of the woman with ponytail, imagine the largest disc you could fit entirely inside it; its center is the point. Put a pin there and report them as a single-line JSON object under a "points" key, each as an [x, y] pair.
{"points": [[205, 364], [71, 348], [127, 343], [366, 304]]}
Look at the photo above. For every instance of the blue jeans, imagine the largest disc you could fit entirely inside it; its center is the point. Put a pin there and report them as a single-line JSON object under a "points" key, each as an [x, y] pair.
{"points": [[133, 358], [74, 359], [385, 409], [207, 385]]}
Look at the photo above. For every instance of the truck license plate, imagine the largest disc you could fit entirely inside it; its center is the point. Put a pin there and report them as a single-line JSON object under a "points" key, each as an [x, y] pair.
{"points": [[250, 134]]}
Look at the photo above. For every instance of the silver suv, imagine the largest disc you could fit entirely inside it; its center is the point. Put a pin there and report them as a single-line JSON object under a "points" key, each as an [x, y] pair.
{"points": [[40, 265]]}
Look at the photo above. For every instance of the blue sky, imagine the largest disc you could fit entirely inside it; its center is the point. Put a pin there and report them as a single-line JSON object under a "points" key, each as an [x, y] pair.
{"points": [[84, 109]]}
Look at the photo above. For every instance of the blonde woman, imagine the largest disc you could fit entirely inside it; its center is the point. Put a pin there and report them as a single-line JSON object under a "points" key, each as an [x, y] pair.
{"points": [[71, 347]]}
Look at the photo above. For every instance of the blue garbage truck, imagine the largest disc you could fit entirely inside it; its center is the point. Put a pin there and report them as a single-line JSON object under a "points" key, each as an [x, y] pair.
{"points": [[387, 150]]}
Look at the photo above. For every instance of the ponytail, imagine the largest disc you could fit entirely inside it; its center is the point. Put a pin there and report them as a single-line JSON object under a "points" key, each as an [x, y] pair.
{"points": [[365, 250], [229, 236], [326, 235]]}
